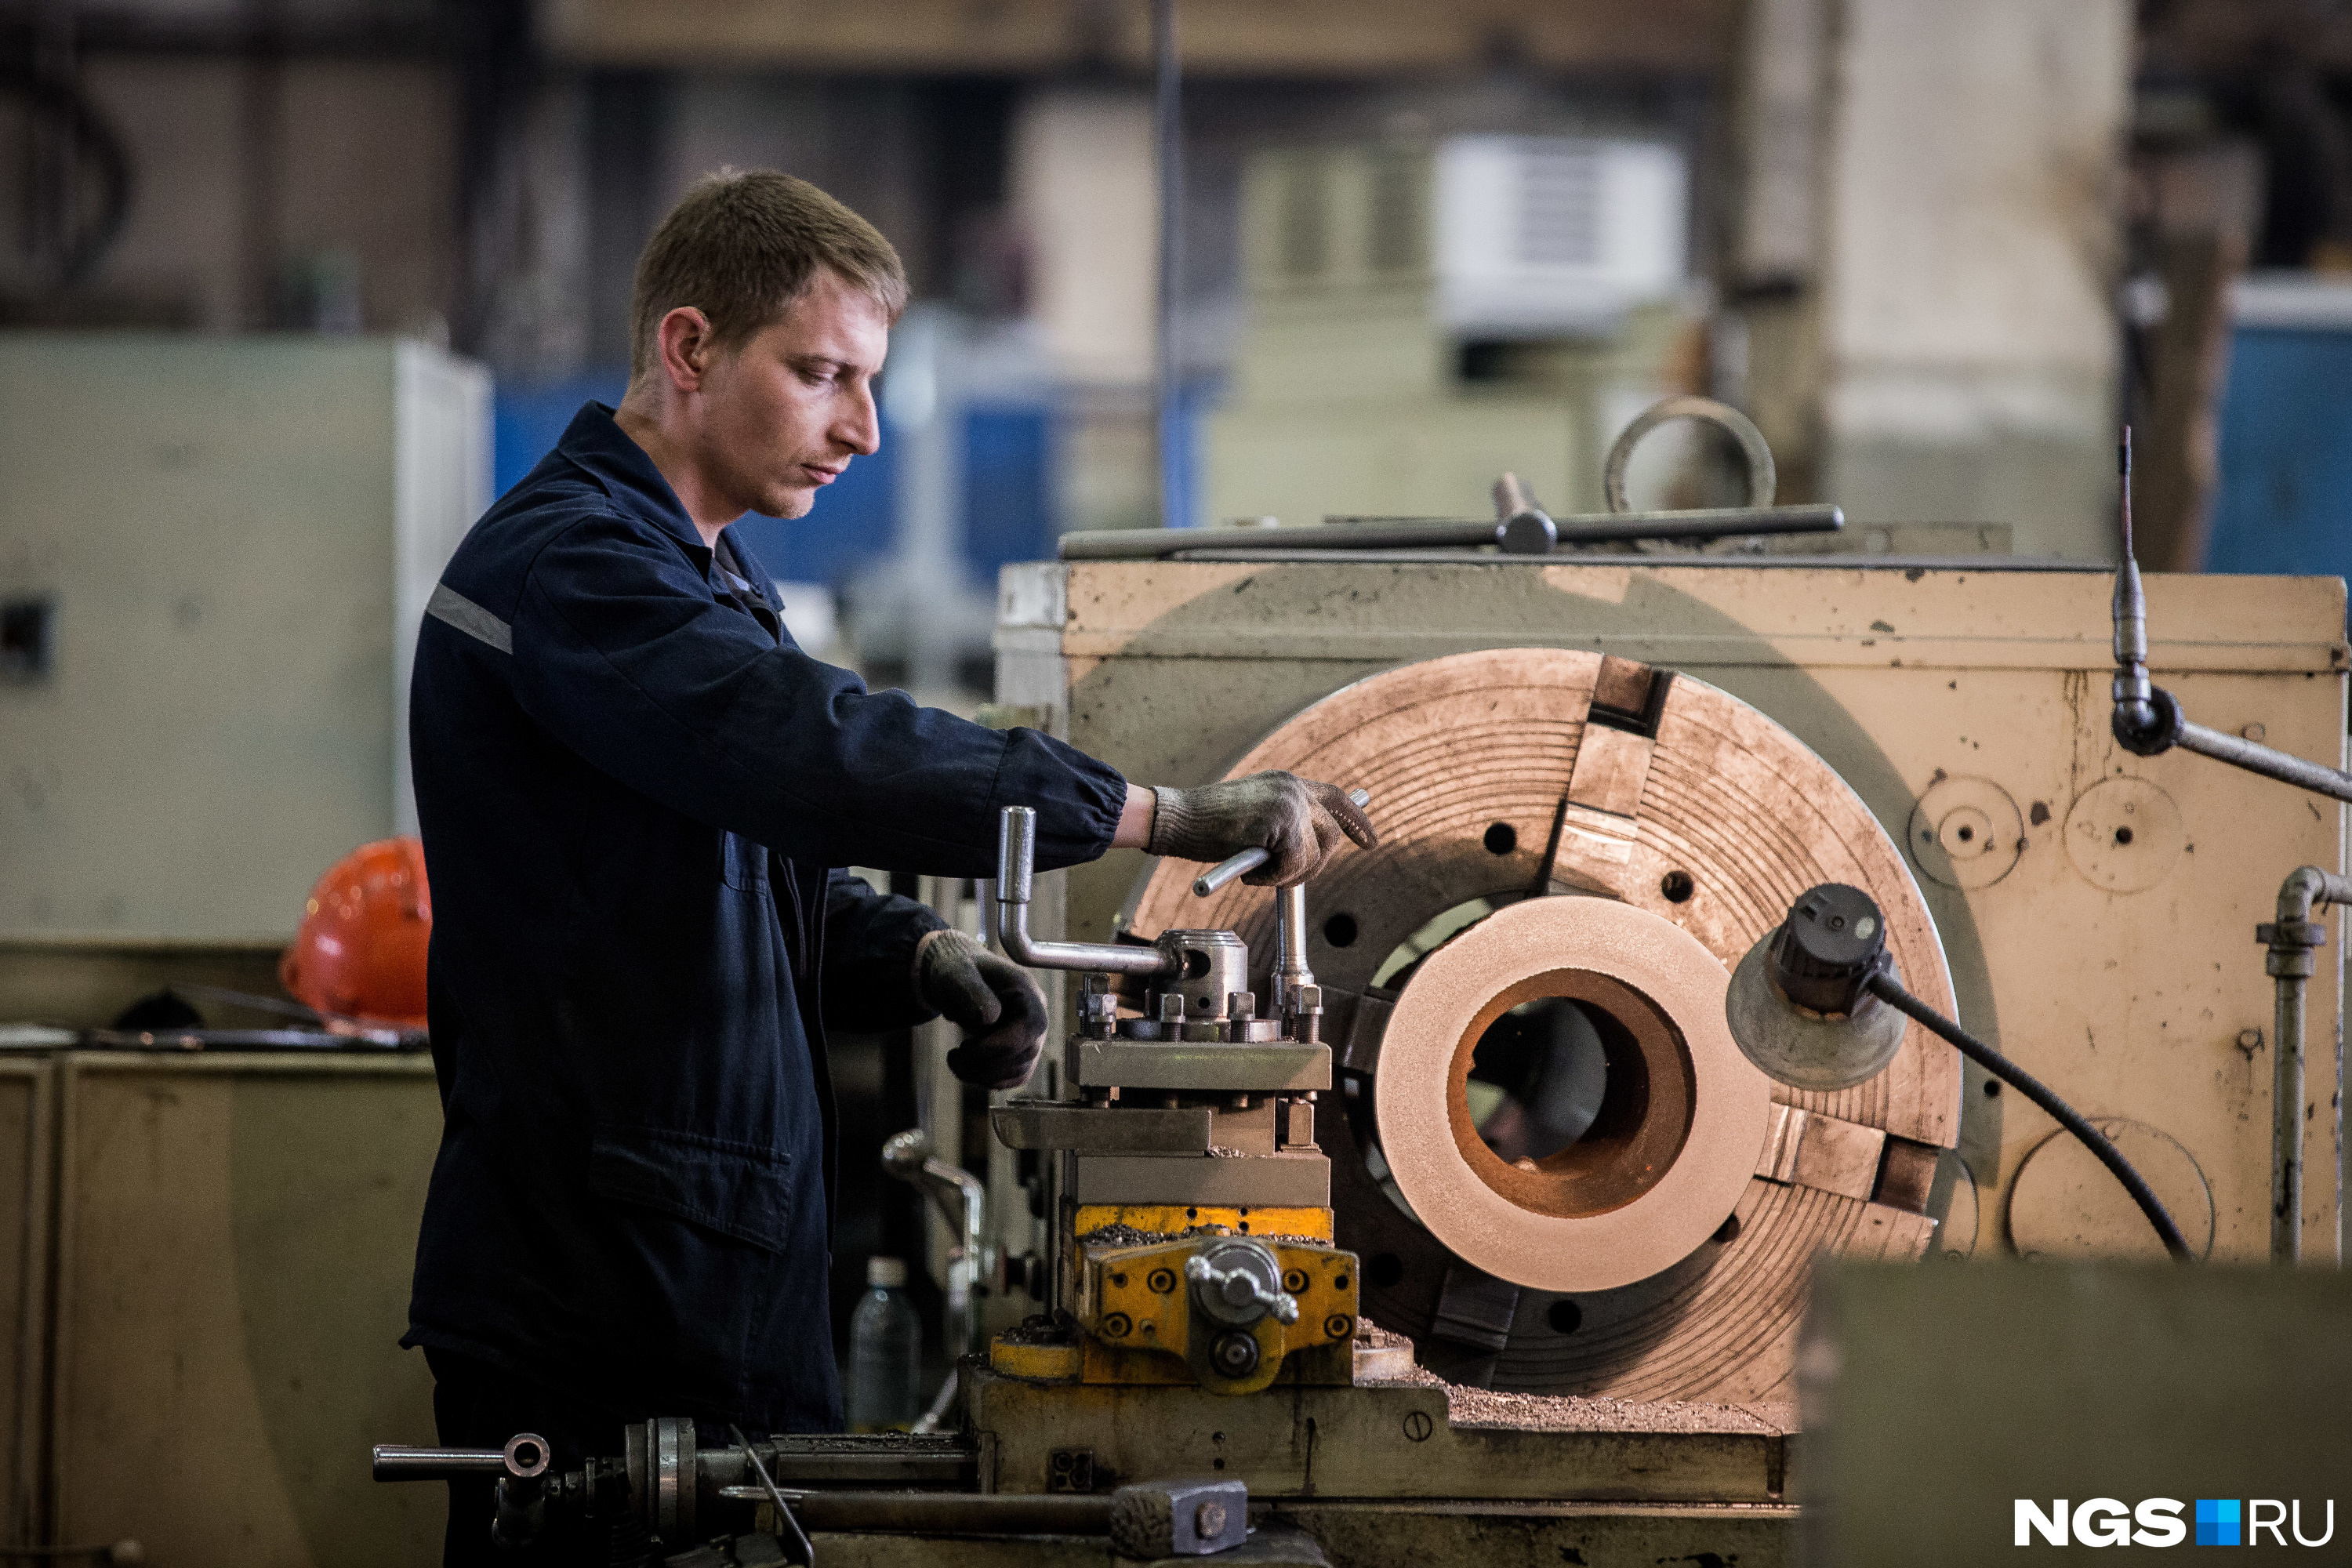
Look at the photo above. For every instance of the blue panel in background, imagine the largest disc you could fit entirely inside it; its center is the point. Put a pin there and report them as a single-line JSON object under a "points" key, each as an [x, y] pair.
{"points": [[1196, 399], [849, 526], [1008, 488], [526, 422], [2284, 504]]}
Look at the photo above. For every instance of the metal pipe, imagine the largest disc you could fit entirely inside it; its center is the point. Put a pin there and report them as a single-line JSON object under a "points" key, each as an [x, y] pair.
{"points": [[2294, 942], [2268, 761], [2134, 706], [399, 1462], [1016, 849], [1167, 141], [786, 1526], [1441, 533], [984, 896], [944, 1513], [962, 1202], [1290, 970], [2149, 720]]}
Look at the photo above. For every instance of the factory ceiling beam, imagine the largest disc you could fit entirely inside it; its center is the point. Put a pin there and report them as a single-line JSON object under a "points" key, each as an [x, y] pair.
{"points": [[1233, 38]]}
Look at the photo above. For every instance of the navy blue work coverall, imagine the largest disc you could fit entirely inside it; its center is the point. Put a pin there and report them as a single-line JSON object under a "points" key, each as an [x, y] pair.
{"points": [[631, 785]]}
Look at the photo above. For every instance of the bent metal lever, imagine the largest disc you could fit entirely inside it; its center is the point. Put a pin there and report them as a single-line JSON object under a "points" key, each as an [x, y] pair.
{"points": [[2147, 720], [524, 1456], [1016, 849]]}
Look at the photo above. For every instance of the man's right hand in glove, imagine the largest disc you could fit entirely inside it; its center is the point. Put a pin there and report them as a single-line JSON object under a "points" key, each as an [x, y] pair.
{"points": [[1299, 822]]}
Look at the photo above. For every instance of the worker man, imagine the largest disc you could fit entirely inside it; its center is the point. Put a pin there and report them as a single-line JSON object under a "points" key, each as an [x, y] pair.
{"points": [[635, 794]]}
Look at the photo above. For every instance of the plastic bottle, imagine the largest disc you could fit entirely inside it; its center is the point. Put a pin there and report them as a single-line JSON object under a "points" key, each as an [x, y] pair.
{"points": [[885, 1352]]}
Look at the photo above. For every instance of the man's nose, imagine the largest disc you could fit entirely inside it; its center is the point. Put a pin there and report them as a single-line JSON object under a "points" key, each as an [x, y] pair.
{"points": [[859, 428]]}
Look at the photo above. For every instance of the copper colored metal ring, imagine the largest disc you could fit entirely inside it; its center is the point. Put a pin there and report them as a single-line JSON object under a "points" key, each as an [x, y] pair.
{"points": [[1606, 1211]]}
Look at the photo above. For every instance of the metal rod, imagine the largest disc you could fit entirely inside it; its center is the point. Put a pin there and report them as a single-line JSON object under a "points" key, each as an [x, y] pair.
{"points": [[2149, 721], [1440, 533], [934, 1419], [1016, 847], [398, 1462], [1888, 989], [786, 1523], [2286, 1122], [1168, 138], [1290, 927], [962, 1202], [2135, 708], [2267, 761], [944, 1513], [2294, 942]]}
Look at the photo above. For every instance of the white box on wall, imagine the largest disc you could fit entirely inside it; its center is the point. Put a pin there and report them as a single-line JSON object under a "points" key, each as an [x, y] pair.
{"points": [[1536, 234]]}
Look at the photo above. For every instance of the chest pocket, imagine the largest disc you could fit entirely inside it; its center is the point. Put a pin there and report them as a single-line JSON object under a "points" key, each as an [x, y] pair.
{"points": [[743, 863]]}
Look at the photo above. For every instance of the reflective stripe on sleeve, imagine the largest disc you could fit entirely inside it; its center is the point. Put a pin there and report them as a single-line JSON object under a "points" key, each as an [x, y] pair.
{"points": [[453, 608]]}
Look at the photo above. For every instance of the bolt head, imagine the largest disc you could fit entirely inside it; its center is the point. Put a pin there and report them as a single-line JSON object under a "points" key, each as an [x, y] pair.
{"points": [[1233, 1354]]}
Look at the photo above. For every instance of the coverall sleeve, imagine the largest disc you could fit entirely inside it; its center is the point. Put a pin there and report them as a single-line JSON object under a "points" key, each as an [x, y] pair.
{"points": [[621, 653], [869, 956]]}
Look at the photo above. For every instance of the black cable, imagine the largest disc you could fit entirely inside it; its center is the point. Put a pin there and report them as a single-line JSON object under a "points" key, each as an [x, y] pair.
{"points": [[1889, 990]]}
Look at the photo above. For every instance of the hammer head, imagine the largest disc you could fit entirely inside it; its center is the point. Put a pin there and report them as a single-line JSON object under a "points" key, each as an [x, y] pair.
{"points": [[1178, 1519]]}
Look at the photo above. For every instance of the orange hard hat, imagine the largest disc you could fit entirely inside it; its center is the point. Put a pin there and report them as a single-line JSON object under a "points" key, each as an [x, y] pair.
{"points": [[360, 951]]}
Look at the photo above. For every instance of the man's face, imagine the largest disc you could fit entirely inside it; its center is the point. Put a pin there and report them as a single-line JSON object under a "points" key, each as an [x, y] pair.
{"points": [[783, 415]]}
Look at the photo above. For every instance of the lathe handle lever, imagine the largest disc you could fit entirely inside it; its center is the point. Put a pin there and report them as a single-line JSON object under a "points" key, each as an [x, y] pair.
{"points": [[1249, 860], [525, 1456]]}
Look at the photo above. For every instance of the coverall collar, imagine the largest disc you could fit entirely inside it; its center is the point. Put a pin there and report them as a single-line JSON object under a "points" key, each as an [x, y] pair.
{"points": [[595, 441]]}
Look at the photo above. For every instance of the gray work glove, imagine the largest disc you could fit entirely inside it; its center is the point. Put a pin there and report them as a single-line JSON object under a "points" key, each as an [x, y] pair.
{"points": [[999, 1008], [1299, 822]]}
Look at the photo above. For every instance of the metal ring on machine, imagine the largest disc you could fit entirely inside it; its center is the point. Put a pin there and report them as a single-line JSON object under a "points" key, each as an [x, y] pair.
{"points": [[1625, 1201], [675, 1452], [1763, 478]]}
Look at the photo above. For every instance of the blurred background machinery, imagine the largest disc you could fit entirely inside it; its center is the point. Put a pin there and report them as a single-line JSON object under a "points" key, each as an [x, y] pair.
{"points": [[1930, 284], [1424, 316]]}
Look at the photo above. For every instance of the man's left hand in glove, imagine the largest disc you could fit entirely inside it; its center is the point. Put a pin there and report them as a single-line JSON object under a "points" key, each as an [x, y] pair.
{"points": [[999, 1007]]}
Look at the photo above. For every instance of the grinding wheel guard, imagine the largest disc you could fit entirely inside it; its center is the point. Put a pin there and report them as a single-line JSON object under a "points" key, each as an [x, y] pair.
{"points": [[1624, 1209]]}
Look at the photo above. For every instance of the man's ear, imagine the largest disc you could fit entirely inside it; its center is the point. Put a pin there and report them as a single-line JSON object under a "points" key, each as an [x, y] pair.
{"points": [[684, 339]]}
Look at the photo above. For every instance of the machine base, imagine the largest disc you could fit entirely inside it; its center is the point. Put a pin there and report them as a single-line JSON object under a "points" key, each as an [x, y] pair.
{"points": [[1394, 1535]]}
